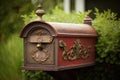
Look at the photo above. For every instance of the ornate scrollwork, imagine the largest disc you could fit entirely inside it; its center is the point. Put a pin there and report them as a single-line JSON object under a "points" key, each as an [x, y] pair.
{"points": [[40, 56], [77, 51]]}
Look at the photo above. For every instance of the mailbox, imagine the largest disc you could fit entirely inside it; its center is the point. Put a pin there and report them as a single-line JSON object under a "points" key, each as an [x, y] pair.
{"points": [[53, 46]]}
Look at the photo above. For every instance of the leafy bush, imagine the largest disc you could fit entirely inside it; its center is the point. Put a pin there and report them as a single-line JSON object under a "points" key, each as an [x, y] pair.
{"points": [[58, 15], [108, 28], [108, 48], [37, 75], [10, 20]]}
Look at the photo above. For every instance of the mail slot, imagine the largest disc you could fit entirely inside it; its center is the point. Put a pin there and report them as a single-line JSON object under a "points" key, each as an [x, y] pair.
{"points": [[53, 46]]}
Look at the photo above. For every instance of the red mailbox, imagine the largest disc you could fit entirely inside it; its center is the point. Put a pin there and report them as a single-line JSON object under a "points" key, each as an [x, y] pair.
{"points": [[53, 46]]}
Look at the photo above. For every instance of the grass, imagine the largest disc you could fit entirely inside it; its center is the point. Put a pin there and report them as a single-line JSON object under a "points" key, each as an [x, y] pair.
{"points": [[11, 55]]}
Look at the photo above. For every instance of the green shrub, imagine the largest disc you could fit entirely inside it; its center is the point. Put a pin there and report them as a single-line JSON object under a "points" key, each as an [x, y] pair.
{"points": [[108, 28], [108, 49], [37, 75], [58, 15]]}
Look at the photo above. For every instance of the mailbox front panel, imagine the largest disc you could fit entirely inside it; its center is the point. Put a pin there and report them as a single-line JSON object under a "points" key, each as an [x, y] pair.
{"points": [[39, 47]]}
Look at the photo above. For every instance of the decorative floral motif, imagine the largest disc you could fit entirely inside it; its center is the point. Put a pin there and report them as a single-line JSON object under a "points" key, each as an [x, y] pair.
{"points": [[77, 51], [40, 56]]}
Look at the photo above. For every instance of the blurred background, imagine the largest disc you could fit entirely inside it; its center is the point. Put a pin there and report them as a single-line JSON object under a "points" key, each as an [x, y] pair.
{"points": [[14, 14]]}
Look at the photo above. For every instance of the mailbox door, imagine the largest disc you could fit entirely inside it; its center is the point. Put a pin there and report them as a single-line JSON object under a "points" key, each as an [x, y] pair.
{"points": [[39, 48]]}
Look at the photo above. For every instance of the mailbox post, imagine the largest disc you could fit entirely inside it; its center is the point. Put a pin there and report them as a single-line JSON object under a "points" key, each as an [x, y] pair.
{"points": [[53, 46]]}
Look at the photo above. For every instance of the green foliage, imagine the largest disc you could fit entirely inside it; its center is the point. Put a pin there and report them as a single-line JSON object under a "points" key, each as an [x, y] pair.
{"points": [[37, 75], [11, 11], [10, 20], [108, 48], [11, 59], [108, 28], [29, 18], [57, 15]]}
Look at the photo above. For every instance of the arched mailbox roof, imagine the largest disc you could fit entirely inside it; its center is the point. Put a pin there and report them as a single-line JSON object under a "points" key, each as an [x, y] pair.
{"points": [[37, 24], [69, 29], [62, 29]]}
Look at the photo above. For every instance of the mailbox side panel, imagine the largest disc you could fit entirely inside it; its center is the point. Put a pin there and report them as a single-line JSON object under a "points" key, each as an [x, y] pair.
{"points": [[79, 52]]}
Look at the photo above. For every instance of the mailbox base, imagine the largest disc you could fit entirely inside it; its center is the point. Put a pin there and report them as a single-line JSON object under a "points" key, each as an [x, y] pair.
{"points": [[57, 68]]}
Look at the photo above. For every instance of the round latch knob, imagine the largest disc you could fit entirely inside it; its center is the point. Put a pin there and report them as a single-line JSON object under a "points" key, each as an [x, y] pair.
{"points": [[40, 12], [39, 46]]}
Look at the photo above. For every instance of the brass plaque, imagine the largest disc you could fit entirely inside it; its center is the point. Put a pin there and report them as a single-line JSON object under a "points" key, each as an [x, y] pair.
{"points": [[40, 39]]}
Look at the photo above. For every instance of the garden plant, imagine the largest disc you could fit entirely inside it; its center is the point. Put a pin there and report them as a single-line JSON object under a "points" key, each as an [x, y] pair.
{"points": [[107, 65]]}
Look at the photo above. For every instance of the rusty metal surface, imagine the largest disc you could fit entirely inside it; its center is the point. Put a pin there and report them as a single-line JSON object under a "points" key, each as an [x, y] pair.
{"points": [[75, 52], [64, 29], [73, 29], [56, 67], [35, 25], [42, 51], [42, 54]]}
